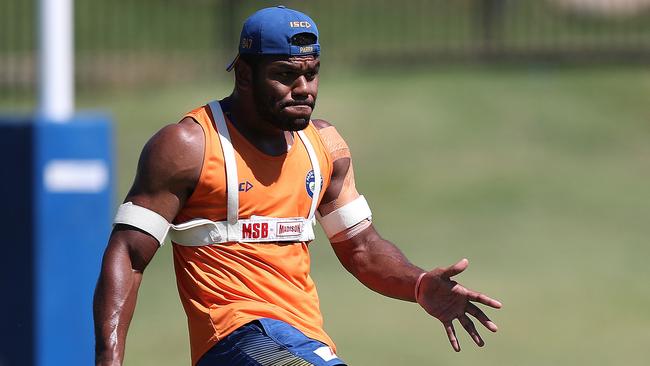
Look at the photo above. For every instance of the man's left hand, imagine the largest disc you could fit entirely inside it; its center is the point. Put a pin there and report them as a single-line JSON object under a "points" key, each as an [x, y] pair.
{"points": [[447, 300]]}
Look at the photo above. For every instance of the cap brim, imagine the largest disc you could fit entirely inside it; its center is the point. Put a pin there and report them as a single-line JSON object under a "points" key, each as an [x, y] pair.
{"points": [[232, 64]]}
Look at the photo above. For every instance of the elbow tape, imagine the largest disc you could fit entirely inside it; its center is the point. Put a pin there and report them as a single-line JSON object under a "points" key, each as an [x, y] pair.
{"points": [[143, 219], [345, 217]]}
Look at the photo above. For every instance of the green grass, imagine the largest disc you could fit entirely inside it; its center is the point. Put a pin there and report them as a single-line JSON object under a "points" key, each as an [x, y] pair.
{"points": [[538, 176]]}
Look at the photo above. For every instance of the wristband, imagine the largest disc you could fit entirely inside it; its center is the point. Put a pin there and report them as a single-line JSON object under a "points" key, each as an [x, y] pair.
{"points": [[417, 285]]}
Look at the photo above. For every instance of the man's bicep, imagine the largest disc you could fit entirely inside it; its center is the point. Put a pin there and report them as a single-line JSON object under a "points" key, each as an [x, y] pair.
{"points": [[346, 214], [341, 189], [343, 212], [168, 169]]}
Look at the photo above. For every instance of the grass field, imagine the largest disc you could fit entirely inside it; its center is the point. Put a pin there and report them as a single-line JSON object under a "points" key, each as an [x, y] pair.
{"points": [[539, 176]]}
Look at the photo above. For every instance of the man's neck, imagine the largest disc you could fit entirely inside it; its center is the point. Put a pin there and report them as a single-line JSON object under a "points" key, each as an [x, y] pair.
{"points": [[260, 133]]}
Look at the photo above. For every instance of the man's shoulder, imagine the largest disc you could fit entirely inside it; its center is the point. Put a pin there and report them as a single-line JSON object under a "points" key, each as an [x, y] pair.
{"points": [[332, 140], [175, 149], [321, 123], [170, 162], [184, 133]]}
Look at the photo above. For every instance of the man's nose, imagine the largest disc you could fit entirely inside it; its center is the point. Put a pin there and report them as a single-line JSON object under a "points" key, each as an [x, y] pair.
{"points": [[301, 88]]}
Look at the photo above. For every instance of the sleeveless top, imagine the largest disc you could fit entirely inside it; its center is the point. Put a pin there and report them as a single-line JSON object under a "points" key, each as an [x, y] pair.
{"points": [[225, 286]]}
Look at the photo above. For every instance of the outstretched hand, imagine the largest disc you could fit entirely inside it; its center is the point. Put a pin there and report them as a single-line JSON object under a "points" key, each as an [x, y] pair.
{"points": [[447, 300]]}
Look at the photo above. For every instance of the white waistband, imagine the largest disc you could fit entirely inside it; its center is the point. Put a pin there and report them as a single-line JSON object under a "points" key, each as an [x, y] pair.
{"points": [[257, 229]]}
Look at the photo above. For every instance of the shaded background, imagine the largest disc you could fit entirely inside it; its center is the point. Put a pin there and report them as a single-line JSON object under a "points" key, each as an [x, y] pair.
{"points": [[512, 132]]}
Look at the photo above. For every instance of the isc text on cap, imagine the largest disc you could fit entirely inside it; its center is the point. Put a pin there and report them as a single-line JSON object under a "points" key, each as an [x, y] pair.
{"points": [[297, 24]]}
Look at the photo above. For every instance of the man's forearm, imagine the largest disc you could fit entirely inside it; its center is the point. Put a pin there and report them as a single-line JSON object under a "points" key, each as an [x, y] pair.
{"points": [[379, 265], [114, 304]]}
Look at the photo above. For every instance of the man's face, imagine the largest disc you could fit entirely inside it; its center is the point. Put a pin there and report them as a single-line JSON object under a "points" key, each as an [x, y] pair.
{"points": [[285, 90]]}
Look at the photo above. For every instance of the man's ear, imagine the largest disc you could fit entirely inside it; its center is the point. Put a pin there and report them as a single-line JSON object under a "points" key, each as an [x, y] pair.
{"points": [[243, 75]]}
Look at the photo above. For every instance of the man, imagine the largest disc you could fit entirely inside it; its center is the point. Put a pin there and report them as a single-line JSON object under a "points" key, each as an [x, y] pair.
{"points": [[242, 180]]}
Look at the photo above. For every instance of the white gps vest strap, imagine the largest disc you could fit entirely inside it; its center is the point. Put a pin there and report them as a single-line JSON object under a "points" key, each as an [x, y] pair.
{"points": [[345, 217], [143, 219], [317, 176], [229, 160], [257, 229]]}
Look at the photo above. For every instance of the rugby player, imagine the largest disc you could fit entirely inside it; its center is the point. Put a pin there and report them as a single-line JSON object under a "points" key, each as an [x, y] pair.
{"points": [[237, 184]]}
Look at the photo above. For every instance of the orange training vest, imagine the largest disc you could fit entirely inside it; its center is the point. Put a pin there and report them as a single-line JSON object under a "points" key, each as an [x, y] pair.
{"points": [[225, 286]]}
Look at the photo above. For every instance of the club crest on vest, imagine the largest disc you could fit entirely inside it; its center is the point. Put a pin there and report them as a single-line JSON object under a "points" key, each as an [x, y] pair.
{"points": [[310, 183]]}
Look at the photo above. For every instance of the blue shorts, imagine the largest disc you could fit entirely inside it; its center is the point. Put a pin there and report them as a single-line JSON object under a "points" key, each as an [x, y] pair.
{"points": [[269, 342]]}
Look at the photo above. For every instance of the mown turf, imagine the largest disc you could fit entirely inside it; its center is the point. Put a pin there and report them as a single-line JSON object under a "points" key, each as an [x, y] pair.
{"points": [[538, 175]]}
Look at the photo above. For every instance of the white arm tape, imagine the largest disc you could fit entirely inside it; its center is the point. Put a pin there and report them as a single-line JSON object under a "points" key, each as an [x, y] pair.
{"points": [[143, 219], [345, 217]]}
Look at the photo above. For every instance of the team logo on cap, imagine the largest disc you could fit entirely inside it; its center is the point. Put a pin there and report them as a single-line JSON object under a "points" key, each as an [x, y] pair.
{"points": [[297, 24], [310, 183]]}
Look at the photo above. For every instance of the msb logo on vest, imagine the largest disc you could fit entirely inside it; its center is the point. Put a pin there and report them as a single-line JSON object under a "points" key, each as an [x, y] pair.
{"points": [[257, 230], [271, 230]]}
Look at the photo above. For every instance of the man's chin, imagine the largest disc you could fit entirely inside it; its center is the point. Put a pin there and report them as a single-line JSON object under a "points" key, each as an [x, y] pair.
{"points": [[297, 124], [292, 123]]}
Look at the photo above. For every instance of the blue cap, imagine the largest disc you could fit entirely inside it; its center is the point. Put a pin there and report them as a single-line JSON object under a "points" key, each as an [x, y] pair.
{"points": [[269, 32]]}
